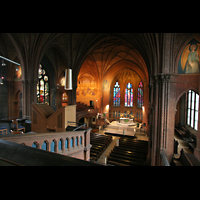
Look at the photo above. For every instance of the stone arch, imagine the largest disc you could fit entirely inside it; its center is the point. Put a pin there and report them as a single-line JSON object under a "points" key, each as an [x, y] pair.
{"points": [[184, 91]]}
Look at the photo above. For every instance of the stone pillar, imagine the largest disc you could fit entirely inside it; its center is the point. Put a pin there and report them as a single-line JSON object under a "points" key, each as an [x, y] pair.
{"points": [[72, 96], [145, 109], [154, 120], [197, 149], [29, 96], [160, 126]]}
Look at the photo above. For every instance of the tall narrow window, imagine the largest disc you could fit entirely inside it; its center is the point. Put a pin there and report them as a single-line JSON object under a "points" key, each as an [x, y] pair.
{"points": [[196, 112], [128, 95], [42, 86], [140, 95], [192, 109], [116, 95]]}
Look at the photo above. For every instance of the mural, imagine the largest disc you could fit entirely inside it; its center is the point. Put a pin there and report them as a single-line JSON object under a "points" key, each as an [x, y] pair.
{"points": [[18, 73], [106, 85], [189, 60]]}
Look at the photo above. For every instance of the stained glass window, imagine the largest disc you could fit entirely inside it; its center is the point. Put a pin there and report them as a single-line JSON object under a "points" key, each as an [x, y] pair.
{"points": [[128, 95], [42, 86], [116, 95], [140, 95]]}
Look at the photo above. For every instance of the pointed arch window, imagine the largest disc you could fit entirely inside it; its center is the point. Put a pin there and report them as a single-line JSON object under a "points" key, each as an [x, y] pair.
{"points": [[42, 86], [116, 95], [140, 95], [129, 95]]}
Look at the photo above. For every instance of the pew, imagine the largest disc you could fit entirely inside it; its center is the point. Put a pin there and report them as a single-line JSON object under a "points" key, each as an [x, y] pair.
{"points": [[125, 161], [99, 144], [188, 159], [127, 156], [186, 136], [129, 152]]}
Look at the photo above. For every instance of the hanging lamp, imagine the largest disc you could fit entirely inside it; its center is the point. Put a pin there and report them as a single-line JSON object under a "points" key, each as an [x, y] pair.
{"points": [[68, 79], [1, 80]]}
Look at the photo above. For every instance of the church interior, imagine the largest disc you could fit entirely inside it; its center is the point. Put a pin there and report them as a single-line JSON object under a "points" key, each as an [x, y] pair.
{"points": [[111, 99]]}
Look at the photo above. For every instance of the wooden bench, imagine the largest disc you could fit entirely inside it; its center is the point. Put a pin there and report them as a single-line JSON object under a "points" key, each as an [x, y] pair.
{"points": [[188, 137], [188, 159], [130, 152], [99, 144], [135, 143], [126, 156], [125, 161], [2, 129]]}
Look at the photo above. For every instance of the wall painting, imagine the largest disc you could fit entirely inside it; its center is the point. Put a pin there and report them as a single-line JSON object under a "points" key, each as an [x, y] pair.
{"points": [[189, 60]]}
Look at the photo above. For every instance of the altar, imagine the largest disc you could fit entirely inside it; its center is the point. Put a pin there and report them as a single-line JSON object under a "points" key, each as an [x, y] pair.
{"points": [[125, 121]]}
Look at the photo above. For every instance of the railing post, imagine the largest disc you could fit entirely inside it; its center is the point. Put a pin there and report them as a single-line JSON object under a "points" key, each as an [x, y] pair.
{"points": [[87, 145]]}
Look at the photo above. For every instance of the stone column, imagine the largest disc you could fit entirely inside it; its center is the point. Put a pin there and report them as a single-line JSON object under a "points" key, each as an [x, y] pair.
{"points": [[29, 95], [197, 149], [154, 120], [160, 126]]}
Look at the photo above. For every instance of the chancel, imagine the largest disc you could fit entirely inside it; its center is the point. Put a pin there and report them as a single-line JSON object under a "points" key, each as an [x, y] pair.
{"points": [[109, 99]]}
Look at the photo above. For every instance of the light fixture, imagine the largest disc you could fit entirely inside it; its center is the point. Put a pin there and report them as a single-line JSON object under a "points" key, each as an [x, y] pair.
{"points": [[68, 79], [9, 60], [1, 80], [3, 64]]}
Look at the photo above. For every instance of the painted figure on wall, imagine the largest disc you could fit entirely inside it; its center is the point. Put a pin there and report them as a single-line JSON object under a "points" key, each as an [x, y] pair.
{"points": [[105, 84], [18, 73], [189, 60]]}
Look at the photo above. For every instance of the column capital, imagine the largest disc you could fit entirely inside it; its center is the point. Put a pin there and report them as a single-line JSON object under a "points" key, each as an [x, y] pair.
{"points": [[164, 77]]}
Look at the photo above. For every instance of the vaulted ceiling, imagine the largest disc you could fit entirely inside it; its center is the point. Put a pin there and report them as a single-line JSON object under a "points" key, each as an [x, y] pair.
{"points": [[158, 51]]}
